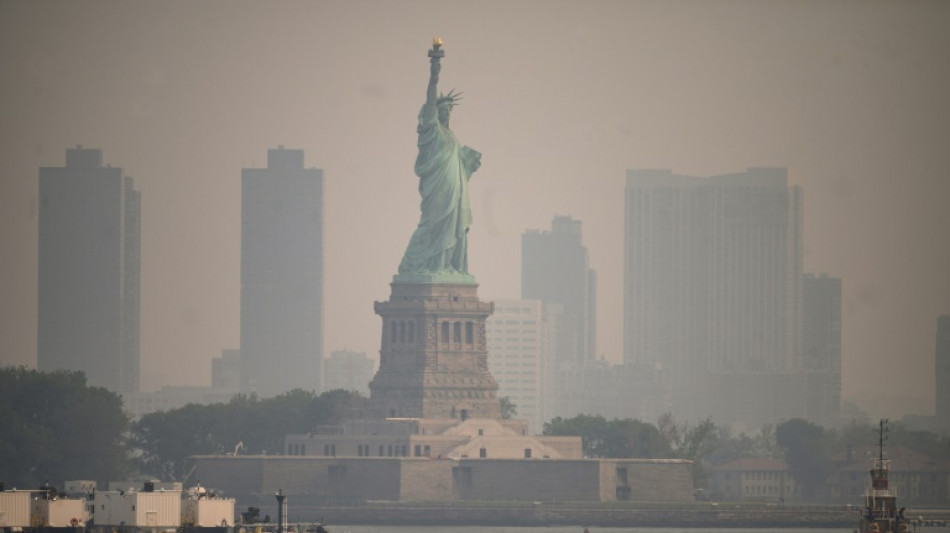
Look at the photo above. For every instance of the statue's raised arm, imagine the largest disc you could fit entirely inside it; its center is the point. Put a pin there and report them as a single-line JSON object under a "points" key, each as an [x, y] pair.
{"points": [[435, 66]]}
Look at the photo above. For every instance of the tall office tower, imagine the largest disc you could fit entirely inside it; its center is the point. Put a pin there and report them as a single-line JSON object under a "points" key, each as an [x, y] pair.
{"points": [[88, 279], [281, 275], [554, 269], [713, 274], [942, 372], [516, 358], [822, 348], [348, 370]]}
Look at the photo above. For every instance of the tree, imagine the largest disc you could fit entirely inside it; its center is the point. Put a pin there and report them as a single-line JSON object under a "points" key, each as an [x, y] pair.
{"points": [[808, 454], [617, 438], [508, 408], [691, 442], [55, 427], [591, 429], [635, 439], [165, 440], [760, 445]]}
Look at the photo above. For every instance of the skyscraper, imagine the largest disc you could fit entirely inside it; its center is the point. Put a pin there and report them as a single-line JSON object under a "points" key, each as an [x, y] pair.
{"points": [[88, 279], [942, 372], [713, 274], [822, 348], [555, 270], [281, 275]]}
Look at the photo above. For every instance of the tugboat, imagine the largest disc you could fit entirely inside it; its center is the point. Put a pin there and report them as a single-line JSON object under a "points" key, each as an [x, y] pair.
{"points": [[880, 501]]}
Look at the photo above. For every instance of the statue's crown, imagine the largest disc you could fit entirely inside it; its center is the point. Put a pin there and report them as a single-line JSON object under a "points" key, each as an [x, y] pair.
{"points": [[450, 99]]}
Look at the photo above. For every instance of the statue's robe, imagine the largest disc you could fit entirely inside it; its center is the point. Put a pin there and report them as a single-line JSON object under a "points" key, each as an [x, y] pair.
{"points": [[440, 242]]}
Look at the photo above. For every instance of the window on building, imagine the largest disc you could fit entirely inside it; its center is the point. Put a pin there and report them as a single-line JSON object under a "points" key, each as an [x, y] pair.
{"points": [[393, 334], [622, 476], [483, 453], [445, 333], [457, 333], [527, 453], [418, 450], [412, 331], [469, 332]]}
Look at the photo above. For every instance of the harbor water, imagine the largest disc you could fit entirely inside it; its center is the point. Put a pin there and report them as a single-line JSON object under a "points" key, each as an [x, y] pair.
{"points": [[580, 529]]}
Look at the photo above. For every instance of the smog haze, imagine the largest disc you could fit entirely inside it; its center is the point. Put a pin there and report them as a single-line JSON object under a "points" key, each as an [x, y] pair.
{"points": [[560, 97]]}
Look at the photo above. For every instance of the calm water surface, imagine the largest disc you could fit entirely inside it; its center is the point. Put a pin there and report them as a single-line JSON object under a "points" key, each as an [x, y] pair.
{"points": [[572, 529]]}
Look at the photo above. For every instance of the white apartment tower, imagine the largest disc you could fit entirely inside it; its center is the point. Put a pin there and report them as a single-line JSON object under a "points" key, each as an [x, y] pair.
{"points": [[514, 333], [713, 290]]}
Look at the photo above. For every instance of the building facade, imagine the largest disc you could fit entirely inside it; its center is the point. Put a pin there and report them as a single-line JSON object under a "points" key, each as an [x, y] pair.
{"points": [[555, 270], [754, 479], [282, 294], [315, 480], [89, 271], [516, 357], [712, 286], [433, 357], [822, 348]]}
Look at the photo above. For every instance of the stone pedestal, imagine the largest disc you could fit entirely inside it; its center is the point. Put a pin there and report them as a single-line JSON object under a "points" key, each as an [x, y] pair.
{"points": [[433, 358]]}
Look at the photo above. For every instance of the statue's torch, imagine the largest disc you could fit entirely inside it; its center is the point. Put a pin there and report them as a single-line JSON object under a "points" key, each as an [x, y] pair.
{"points": [[437, 51]]}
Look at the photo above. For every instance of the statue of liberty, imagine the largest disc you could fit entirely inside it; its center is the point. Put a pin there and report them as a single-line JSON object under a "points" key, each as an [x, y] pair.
{"points": [[439, 245]]}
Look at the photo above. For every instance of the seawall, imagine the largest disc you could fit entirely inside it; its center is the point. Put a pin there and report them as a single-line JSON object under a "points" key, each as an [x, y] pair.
{"points": [[565, 513]]}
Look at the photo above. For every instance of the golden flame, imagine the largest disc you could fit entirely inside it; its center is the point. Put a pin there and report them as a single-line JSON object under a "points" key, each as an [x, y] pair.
{"points": [[437, 41]]}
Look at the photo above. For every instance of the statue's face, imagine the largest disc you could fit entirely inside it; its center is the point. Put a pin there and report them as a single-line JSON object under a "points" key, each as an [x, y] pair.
{"points": [[444, 112]]}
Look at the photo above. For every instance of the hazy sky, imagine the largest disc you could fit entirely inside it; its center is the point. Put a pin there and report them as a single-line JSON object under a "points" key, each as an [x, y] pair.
{"points": [[561, 97]]}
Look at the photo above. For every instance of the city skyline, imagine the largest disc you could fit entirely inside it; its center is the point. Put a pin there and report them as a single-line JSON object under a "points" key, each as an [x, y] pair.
{"points": [[183, 96]]}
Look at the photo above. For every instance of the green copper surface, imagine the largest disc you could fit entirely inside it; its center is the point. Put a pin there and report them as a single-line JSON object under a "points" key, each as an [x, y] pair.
{"points": [[443, 276], [438, 248]]}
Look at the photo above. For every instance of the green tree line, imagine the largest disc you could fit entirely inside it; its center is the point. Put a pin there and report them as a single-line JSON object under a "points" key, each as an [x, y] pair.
{"points": [[808, 449], [163, 440], [53, 426]]}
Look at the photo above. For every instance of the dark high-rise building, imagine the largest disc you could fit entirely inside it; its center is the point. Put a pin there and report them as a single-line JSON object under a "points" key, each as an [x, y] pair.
{"points": [[942, 372], [712, 291], [281, 275], [822, 348], [88, 279], [555, 270]]}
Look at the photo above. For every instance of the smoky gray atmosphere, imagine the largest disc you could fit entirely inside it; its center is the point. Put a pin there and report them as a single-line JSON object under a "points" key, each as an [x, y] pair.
{"points": [[560, 97]]}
